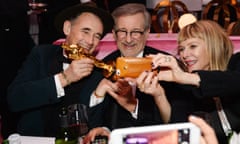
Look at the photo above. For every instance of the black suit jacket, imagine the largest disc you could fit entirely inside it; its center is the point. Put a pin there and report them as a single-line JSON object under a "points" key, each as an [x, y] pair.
{"points": [[33, 92]]}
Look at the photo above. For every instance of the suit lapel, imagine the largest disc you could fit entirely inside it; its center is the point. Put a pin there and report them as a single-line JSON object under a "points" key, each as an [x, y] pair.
{"points": [[56, 63]]}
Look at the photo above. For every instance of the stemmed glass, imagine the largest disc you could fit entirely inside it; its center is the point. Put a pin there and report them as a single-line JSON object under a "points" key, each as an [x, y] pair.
{"points": [[78, 119]]}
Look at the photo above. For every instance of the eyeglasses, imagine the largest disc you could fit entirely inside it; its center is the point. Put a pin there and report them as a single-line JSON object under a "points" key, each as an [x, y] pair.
{"points": [[133, 34]]}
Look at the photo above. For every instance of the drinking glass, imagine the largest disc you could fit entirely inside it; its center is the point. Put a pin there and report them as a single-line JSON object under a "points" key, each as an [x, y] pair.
{"points": [[78, 119]]}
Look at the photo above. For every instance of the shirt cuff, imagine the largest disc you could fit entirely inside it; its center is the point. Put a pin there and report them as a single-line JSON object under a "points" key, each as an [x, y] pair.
{"points": [[94, 100], [135, 112], [59, 88]]}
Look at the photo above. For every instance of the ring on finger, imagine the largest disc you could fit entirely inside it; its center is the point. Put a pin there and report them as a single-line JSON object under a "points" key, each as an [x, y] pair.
{"points": [[167, 59]]}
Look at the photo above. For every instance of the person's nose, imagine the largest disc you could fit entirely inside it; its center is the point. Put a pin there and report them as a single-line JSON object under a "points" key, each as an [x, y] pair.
{"points": [[185, 53], [128, 37], [90, 39]]}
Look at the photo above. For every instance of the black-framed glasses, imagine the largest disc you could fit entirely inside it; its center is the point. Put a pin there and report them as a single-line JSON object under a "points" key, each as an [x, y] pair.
{"points": [[133, 34]]}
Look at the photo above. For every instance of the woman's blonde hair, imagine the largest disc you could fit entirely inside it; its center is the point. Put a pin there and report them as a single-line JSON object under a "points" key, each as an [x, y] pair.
{"points": [[219, 46]]}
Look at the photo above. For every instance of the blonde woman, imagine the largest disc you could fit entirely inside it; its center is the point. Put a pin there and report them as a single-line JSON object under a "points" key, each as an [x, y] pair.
{"points": [[205, 49]]}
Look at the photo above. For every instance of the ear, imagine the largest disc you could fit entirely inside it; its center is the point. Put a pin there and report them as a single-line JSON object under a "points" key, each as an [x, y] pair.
{"points": [[66, 27], [114, 34], [147, 32]]}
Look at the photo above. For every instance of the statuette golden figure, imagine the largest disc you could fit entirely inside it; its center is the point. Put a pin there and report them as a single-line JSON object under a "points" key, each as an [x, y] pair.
{"points": [[75, 52]]}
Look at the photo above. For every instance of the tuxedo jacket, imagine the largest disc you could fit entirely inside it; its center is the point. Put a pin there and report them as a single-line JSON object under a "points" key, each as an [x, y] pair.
{"points": [[33, 92]]}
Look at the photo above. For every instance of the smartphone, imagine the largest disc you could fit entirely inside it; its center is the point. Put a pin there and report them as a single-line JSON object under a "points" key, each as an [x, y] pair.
{"points": [[178, 133], [132, 67]]}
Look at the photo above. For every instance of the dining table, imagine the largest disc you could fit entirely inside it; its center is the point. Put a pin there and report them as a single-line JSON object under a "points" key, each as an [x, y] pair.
{"points": [[162, 41]]}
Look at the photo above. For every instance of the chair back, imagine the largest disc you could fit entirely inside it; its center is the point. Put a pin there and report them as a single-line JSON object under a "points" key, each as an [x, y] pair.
{"points": [[220, 11], [166, 14]]}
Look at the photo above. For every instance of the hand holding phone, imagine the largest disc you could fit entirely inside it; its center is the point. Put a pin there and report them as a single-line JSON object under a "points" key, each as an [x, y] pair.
{"points": [[178, 133]]}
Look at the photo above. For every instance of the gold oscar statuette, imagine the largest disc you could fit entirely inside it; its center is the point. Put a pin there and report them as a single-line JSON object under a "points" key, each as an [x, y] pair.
{"points": [[75, 52]]}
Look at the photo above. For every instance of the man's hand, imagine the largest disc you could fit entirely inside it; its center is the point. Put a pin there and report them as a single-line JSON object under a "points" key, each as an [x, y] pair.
{"points": [[105, 86], [124, 95], [98, 131], [77, 70]]}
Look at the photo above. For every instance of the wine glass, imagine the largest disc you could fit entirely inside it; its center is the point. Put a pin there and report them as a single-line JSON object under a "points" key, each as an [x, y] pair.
{"points": [[78, 119]]}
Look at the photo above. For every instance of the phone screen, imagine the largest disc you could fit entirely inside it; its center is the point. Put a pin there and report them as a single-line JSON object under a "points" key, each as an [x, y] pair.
{"points": [[181, 136]]}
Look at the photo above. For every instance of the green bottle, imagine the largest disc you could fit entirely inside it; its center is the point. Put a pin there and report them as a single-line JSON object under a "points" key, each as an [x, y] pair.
{"points": [[65, 136]]}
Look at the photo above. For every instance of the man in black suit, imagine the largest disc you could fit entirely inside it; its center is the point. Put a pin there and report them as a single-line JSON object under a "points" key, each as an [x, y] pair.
{"points": [[131, 30], [48, 81]]}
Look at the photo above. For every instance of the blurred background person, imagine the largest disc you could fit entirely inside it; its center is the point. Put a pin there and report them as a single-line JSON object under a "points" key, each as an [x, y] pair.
{"points": [[234, 28]]}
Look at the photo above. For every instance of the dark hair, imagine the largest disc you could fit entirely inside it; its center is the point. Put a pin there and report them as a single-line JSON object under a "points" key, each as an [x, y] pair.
{"points": [[235, 31]]}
